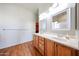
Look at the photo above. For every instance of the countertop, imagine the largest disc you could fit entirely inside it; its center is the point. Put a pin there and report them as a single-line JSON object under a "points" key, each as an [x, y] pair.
{"points": [[73, 43]]}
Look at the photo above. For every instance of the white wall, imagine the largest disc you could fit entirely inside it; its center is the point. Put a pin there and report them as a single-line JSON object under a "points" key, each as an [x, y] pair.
{"points": [[18, 22]]}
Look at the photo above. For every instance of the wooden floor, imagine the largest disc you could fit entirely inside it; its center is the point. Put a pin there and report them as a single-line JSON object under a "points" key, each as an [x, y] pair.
{"points": [[25, 49]]}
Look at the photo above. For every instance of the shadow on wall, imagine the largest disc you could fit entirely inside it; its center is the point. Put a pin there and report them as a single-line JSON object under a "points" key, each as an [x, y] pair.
{"points": [[12, 19], [13, 37]]}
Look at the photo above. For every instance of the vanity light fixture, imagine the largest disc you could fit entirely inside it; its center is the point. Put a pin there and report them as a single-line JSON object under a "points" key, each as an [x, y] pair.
{"points": [[43, 16], [55, 5]]}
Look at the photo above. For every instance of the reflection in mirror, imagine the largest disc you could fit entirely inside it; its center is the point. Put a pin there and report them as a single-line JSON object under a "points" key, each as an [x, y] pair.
{"points": [[60, 20], [42, 25]]}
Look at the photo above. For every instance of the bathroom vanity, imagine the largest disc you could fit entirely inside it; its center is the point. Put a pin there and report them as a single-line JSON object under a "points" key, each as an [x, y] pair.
{"points": [[52, 46], [60, 22]]}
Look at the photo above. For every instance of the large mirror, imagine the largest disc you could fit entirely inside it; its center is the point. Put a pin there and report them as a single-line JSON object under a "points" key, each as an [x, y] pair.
{"points": [[43, 26], [61, 17], [61, 20]]}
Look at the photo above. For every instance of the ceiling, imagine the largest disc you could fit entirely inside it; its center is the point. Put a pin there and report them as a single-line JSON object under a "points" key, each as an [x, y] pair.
{"points": [[34, 6]]}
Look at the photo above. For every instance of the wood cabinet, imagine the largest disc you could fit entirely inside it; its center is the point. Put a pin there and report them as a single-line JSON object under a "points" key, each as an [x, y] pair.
{"points": [[41, 45], [51, 48], [64, 51], [77, 53], [35, 41]]}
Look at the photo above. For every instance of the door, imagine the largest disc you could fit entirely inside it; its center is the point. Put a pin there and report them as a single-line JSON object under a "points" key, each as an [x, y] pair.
{"points": [[49, 47], [64, 51]]}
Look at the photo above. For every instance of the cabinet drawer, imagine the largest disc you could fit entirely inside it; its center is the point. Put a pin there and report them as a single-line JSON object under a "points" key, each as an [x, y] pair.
{"points": [[40, 38], [41, 42], [35, 41], [41, 47], [36, 37]]}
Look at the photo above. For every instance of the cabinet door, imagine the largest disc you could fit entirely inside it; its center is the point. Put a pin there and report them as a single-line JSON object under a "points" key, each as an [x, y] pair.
{"points": [[41, 45], [49, 48], [35, 41], [77, 52], [64, 51]]}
